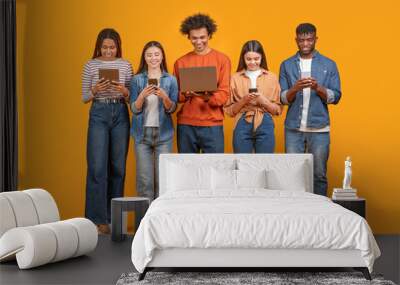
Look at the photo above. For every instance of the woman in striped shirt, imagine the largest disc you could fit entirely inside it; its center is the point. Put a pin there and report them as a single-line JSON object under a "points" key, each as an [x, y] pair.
{"points": [[108, 132]]}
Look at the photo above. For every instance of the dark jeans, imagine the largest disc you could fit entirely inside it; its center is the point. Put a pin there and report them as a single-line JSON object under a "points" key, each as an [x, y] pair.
{"points": [[147, 154], [194, 139], [318, 145], [107, 148], [246, 140]]}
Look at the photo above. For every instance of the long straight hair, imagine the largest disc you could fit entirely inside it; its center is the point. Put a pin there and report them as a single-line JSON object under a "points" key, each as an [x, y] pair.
{"points": [[143, 64], [107, 33], [254, 46]]}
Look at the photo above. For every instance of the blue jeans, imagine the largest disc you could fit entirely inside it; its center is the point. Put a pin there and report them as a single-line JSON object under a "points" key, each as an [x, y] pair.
{"points": [[246, 140], [148, 151], [195, 139], [107, 148], [318, 145]]}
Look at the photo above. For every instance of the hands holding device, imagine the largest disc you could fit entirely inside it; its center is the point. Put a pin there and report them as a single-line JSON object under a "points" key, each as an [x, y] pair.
{"points": [[101, 85], [302, 83], [106, 85], [109, 81], [161, 93], [306, 81], [205, 95], [119, 87], [152, 88], [148, 90], [157, 90], [252, 96]]}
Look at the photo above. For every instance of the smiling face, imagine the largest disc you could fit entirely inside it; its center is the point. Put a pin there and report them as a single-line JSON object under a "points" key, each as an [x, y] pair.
{"points": [[199, 39], [306, 43], [252, 60], [108, 49], [153, 57]]}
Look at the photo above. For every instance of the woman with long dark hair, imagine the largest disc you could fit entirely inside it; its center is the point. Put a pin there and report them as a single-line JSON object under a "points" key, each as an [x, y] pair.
{"points": [[154, 95], [108, 132], [254, 99]]}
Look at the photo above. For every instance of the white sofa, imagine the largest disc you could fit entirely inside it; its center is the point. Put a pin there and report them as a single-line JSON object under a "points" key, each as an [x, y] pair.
{"points": [[31, 230]]}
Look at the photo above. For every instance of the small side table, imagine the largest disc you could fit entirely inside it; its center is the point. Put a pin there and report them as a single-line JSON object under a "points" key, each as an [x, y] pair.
{"points": [[358, 205], [119, 207]]}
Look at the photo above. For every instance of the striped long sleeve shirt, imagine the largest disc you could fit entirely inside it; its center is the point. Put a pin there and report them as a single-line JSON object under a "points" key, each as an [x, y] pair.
{"points": [[90, 76]]}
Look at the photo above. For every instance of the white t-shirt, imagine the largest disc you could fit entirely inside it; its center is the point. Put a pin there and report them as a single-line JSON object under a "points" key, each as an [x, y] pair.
{"points": [[253, 74], [305, 68], [151, 116]]}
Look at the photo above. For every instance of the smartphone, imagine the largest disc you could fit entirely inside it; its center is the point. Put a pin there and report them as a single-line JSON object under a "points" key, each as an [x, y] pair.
{"points": [[305, 74], [253, 90], [152, 81]]}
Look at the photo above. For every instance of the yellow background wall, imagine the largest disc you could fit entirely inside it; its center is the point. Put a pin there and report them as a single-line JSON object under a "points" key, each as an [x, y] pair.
{"points": [[56, 37]]}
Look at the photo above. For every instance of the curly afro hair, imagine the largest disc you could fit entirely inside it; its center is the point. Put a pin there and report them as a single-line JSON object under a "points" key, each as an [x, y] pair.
{"points": [[198, 21]]}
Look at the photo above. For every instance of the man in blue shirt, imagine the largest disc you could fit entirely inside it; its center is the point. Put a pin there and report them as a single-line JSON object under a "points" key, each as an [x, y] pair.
{"points": [[309, 82]]}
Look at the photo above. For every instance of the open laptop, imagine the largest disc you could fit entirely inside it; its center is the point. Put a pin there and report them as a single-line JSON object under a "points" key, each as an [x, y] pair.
{"points": [[198, 79]]}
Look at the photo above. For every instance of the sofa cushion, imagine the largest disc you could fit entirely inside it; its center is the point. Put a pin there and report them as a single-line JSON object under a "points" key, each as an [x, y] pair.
{"points": [[46, 207], [40, 244], [23, 208], [7, 218]]}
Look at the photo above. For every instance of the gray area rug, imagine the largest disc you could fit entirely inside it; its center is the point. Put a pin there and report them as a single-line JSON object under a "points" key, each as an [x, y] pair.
{"points": [[243, 278]]}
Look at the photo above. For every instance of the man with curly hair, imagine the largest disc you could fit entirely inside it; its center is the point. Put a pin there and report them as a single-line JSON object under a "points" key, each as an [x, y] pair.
{"points": [[200, 119]]}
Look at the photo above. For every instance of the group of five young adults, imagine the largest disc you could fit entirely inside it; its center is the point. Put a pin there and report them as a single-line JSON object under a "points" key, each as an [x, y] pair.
{"points": [[307, 83]]}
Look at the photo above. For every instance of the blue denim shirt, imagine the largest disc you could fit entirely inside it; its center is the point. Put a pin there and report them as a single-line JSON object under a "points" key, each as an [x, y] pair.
{"points": [[324, 70], [170, 86]]}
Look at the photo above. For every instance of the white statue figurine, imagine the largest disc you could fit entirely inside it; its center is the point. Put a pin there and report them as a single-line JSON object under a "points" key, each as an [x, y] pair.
{"points": [[347, 173]]}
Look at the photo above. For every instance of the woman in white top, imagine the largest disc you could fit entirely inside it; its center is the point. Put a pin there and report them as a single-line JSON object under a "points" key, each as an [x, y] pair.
{"points": [[154, 95], [108, 132]]}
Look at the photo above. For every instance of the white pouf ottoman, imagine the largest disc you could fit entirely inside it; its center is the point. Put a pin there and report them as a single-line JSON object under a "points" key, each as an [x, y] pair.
{"points": [[31, 232]]}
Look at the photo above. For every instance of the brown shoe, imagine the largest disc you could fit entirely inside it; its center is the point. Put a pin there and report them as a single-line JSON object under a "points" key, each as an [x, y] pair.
{"points": [[103, 229]]}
